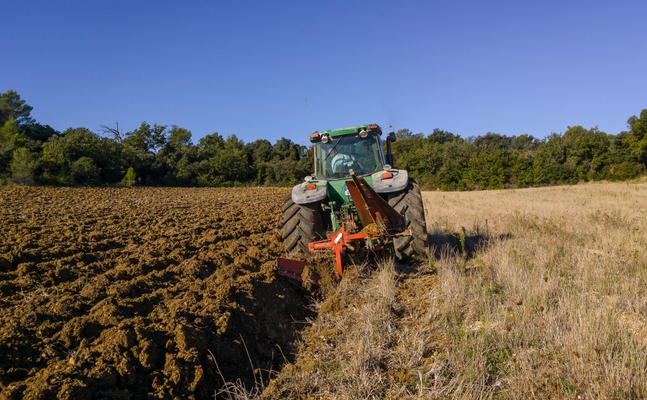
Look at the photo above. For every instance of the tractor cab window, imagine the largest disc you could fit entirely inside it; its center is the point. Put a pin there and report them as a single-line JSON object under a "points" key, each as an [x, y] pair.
{"points": [[336, 158]]}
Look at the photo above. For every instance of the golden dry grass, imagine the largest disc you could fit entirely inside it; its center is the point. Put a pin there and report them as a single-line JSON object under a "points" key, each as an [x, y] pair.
{"points": [[529, 293], [551, 302]]}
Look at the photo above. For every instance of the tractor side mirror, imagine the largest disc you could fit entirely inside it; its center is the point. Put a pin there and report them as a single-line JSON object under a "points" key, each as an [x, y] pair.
{"points": [[390, 138], [303, 152]]}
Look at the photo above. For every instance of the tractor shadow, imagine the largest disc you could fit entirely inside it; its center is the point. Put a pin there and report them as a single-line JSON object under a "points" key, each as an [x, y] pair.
{"points": [[459, 243], [262, 334], [456, 244]]}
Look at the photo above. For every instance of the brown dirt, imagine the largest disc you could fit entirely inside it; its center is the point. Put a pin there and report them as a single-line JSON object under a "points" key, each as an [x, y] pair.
{"points": [[128, 293]]}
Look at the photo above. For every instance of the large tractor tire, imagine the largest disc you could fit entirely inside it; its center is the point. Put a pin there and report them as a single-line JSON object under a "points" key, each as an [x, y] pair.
{"points": [[408, 202], [302, 224]]}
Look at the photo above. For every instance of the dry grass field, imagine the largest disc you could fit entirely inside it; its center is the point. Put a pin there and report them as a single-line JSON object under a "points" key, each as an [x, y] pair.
{"points": [[529, 293]]}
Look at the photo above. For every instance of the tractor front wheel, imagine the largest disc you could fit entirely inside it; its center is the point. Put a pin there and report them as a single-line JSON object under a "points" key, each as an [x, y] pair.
{"points": [[408, 202], [302, 224]]}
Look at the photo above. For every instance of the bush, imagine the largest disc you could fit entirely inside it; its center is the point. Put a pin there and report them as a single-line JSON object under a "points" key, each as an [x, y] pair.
{"points": [[130, 179], [625, 170], [84, 172]]}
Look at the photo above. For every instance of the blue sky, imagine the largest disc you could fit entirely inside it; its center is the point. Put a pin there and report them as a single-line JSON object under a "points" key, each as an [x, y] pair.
{"points": [[272, 69]]}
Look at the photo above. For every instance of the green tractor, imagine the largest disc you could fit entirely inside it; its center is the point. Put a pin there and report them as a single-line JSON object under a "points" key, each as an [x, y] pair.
{"points": [[354, 202]]}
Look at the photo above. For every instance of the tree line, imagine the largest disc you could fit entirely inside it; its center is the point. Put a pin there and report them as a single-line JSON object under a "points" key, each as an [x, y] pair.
{"points": [[162, 155], [442, 160], [151, 155]]}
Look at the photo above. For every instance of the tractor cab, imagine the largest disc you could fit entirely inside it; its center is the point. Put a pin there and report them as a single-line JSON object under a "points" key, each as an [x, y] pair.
{"points": [[338, 151]]}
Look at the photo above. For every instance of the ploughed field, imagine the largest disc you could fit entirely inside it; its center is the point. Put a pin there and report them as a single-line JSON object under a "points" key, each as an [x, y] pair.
{"points": [[127, 293]]}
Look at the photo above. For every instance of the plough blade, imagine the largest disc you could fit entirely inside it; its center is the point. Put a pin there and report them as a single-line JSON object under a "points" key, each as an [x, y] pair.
{"points": [[293, 270]]}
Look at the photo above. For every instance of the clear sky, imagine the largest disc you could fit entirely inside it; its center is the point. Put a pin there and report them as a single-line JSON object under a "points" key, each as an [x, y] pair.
{"points": [[272, 69]]}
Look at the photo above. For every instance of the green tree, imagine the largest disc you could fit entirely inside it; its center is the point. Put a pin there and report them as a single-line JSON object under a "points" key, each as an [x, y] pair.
{"points": [[81, 142], [259, 151], [231, 161], [304, 167], [441, 137], [408, 152], [167, 160], [139, 151], [638, 131], [281, 172], [455, 158], [259, 154], [85, 172], [179, 138], [146, 138], [209, 147], [11, 138], [489, 165], [109, 160], [13, 107], [60, 152], [522, 153], [285, 148], [223, 162], [40, 133], [549, 167], [188, 167], [22, 167], [403, 134], [487, 169], [53, 162], [624, 162], [524, 143], [212, 142], [587, 152], [142, 162]]}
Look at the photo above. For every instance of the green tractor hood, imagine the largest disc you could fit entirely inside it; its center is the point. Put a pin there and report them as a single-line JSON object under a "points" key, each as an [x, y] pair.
{"points": [[335, 190]]}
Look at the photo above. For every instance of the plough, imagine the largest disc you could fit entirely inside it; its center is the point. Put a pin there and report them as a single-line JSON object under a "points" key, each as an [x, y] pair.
{"points": [[378, 225]]}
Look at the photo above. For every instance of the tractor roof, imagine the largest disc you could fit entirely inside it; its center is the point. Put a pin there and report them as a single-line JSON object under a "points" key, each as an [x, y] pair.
{"points": [[352, 130]]}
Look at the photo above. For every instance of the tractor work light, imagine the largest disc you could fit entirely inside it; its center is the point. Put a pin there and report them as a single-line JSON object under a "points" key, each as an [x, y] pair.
{"points": [[325, 138], [363, 133]]}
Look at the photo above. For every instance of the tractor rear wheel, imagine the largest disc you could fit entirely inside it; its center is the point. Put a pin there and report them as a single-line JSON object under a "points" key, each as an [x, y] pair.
{"points": [[408, 202], [302, 224]]}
